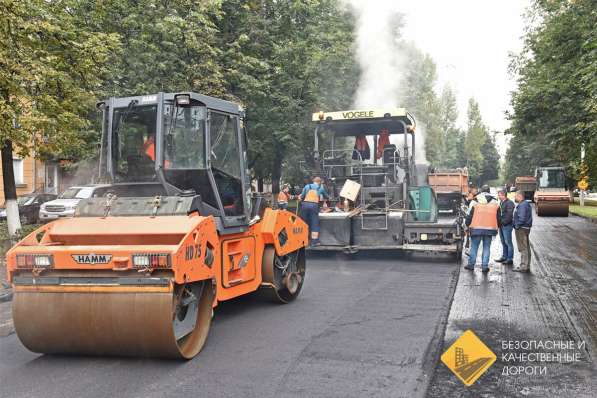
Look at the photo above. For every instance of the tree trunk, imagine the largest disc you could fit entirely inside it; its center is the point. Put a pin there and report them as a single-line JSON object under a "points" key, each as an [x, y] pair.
{"points": [[10, 191], [276, 172]]}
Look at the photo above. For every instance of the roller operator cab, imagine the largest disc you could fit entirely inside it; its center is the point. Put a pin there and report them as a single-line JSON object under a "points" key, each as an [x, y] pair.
{"points": [[138, 271], [368, 157]]}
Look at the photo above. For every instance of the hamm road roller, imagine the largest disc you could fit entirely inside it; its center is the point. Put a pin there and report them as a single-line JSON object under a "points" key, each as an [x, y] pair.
{"points": [[138, 271], [551, 197]]}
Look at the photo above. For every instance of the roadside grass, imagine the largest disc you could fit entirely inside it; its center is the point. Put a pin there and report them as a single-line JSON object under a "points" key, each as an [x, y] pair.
{"points": [[588, 201], [27, 229], [585, 211]]}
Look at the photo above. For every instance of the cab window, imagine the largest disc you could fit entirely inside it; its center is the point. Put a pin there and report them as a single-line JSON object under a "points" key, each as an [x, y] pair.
{"points": [[225, 159]]}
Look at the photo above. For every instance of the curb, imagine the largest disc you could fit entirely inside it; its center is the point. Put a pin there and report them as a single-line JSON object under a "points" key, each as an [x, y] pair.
{"points": [[5, 292], [588, 218]]}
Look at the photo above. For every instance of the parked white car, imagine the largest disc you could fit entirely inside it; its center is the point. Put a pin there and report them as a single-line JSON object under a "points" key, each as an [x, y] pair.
{"points": [[67, 202]]}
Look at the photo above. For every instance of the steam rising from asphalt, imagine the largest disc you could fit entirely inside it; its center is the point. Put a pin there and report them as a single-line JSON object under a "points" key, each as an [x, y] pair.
{"points": [[382, 61]]}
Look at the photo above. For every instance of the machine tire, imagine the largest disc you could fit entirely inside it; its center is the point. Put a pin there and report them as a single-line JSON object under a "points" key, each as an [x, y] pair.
{"points": [[458, 254], [280, 285]]}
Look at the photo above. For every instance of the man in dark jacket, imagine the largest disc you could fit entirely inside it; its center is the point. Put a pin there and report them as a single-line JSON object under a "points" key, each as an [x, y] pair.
{"points": [[506, 224], [483, 226], [523, 221]]}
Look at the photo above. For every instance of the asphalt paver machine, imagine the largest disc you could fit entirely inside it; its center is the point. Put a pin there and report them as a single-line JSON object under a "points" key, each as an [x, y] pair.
{"points": [[138, 272], [395, 207]]}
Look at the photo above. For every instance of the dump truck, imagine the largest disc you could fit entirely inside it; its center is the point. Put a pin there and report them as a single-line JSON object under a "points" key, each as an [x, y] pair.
{"points": [[379, 193], [450, 187], [551, 196], [527, 184], [139, 271]]}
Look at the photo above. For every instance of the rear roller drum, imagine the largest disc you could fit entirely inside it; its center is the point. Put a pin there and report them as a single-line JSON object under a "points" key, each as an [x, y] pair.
{"points": [[283, 276]]}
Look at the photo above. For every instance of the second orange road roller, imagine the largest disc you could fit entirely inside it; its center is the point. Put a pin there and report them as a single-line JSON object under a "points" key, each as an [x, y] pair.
{"points": [[138, 271]]}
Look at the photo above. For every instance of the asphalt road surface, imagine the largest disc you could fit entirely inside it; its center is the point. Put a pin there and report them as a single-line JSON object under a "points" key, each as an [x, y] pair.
{"points": [[556, 302], [371, 326]]}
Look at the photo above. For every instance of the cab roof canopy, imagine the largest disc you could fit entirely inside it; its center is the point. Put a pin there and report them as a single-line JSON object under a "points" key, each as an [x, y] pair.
{"points": [[152, 99], [366, 122]]}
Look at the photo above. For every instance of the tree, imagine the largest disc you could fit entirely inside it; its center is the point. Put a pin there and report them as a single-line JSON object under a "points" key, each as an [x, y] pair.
{"points": [[453, 137], [476, 135], [491, 161], [555, 105], [287, 59], [50, 69], [421, 99]]}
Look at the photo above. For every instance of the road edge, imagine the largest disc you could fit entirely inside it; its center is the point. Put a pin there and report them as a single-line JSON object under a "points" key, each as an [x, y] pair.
{"points": [[5, 292], [436, 344]]}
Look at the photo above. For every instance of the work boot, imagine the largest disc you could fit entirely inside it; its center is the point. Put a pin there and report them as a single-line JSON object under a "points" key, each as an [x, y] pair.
{"points": [[314, 243], [518, 269], [500, 260], [469, 267], [485, 270], [508, 262]]}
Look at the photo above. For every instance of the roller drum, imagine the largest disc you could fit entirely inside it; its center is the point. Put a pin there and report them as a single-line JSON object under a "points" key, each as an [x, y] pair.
{"points": [[108, 323], [552, 209]]}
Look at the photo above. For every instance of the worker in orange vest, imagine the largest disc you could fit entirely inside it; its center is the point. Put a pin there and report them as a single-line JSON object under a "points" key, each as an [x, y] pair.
{"points": [[482, 221], [283, 197], [311, 196], [361, 149]]}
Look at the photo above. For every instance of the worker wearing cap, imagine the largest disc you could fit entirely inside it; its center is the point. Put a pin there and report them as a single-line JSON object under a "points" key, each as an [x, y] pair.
{"points": [[482, 221], [523, 222], [283, 197], [505, 222], [512, 194], [311, 196]]}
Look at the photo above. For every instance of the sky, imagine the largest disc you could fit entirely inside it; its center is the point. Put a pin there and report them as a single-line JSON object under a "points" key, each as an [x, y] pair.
{"points": [[470, 42]]}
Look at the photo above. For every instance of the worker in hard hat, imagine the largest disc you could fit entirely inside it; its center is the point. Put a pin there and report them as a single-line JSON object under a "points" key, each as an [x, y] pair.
{"points": [[311, 196], [512, 194], [283, 197], [482, 221]]}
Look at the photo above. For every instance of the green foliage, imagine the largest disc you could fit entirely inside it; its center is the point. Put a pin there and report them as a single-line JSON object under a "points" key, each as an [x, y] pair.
{"points": [[286, 60], [555, 106], [421, 100], [166, 45], [51, 67], [480, 151], [453, 156]]}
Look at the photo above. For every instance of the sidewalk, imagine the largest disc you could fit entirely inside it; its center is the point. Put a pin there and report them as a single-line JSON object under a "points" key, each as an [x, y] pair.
{"points": [[553, 303]]}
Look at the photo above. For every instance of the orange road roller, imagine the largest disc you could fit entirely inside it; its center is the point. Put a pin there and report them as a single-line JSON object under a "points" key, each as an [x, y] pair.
{"points": [[173, 230]]}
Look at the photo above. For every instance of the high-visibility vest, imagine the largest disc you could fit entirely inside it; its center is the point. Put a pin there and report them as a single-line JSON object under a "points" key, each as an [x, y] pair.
{"points": [[149, 148], [384, 139], [283, 197], [312, 195], [361, 148], [485, 216]]}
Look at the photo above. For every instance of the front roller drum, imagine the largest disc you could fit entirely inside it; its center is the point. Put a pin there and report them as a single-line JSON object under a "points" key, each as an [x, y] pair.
{"points": [[552, 209], [149, 324], [283, 276]]}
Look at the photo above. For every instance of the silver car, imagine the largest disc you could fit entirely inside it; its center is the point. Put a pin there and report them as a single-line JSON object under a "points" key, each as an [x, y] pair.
{"points": [[66, 204]]}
